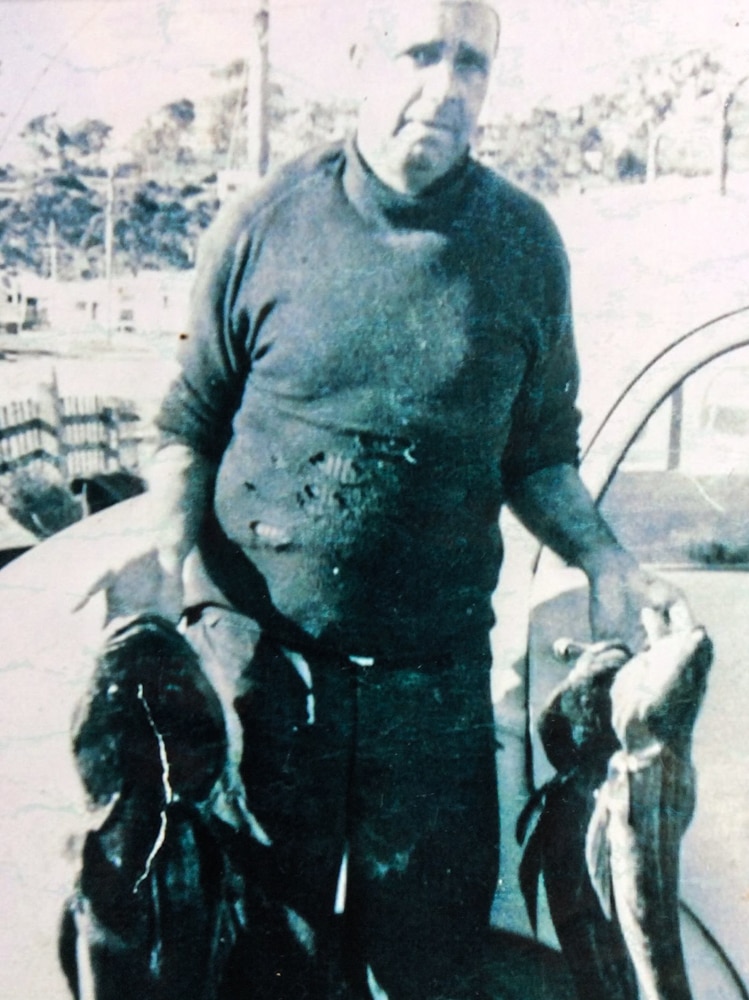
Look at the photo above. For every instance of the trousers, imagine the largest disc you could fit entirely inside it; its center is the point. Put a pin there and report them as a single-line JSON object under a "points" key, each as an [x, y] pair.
{"points": [[372, 840]]}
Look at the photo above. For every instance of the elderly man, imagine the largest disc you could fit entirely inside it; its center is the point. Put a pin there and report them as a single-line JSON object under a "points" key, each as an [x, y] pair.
{"points": [[380, 357]]}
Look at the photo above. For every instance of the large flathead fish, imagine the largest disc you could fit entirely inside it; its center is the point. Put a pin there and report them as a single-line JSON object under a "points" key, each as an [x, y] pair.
{"points": [[646, 803], [158, 904], [609, 827]]}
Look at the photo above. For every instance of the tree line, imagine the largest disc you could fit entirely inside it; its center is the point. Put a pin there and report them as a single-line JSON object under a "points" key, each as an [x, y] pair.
{"points": [[161, 192]]}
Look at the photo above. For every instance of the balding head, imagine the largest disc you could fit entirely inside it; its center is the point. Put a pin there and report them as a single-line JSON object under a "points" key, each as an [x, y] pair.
{"points": [[424, 71], [377, 19]]}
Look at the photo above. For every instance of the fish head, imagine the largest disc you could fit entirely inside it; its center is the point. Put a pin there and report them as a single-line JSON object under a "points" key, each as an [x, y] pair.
{"points": [[149, 708], [575, 723], [656, 696]]}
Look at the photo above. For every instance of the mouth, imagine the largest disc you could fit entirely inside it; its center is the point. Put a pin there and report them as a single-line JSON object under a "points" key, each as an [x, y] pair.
{"points": [[432, 125]]}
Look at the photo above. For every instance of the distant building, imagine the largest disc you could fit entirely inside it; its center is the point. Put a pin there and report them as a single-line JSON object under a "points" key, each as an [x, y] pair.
{"points": [[152, 301], [20, 307]]}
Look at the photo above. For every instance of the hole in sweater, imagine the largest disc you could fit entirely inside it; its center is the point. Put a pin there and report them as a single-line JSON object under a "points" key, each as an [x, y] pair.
{"points": [[270, 534]]}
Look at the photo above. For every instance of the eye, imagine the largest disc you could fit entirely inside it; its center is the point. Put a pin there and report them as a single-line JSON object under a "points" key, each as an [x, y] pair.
{"points": [[471, 61], [425, 55]]}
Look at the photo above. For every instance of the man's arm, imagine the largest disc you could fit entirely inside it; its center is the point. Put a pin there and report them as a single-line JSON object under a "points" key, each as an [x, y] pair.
{"points": [[150, 578], [180, 487], [540, 469], [555, 505], [195, 426]]}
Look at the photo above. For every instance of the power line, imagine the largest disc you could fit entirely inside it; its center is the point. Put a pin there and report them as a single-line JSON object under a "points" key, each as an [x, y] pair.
{"points": [[43, 72]]}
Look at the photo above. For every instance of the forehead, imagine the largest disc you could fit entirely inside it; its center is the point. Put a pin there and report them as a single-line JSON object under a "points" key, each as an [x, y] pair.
{"points": [[471, 23]]}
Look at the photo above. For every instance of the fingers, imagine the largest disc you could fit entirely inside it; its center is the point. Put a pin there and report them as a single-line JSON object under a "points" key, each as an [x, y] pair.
{"points": [[638, 608], [676, 617], [680, 615], [102, 585], [659, 594], [655, 625], [141, 585]]}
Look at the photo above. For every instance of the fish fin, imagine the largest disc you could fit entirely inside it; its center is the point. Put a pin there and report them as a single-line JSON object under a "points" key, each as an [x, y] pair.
{"points": [[529, 874], [530, 812], [536, 816], [598, 854]]}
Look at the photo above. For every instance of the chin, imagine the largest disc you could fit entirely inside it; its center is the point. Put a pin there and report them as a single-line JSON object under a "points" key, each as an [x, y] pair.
{"points": [[429, 159]]}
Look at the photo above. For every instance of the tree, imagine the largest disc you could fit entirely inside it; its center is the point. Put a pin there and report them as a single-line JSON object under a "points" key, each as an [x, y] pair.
{"points": [[47, 140], [159, 226], [662, 89], [166, 142], [86, 141]]}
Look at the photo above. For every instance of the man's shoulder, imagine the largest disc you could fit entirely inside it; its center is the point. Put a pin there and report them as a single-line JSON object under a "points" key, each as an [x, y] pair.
{"points": [[285, 181], [505, 201], [243, 212]]}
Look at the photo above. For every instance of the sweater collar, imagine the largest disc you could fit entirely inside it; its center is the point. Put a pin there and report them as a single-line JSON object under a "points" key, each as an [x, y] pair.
{"points": [[434, 208]]}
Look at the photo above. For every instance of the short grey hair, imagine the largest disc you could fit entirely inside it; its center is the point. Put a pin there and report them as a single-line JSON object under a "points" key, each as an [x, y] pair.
{"points": [[375, 16]]}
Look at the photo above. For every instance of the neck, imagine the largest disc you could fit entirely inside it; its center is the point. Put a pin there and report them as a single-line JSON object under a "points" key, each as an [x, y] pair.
{"points": [[410, 180]]}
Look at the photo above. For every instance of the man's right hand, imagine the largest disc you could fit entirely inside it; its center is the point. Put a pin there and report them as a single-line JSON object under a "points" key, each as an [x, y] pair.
{"points": [[147, 581], [150, 578]]}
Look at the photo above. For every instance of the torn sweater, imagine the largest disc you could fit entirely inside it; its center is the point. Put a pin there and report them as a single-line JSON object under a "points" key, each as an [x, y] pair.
{"points": [[372, 373]]}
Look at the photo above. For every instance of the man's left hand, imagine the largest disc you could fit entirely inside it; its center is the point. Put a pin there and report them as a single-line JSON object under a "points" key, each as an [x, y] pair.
{"points": [[620, 590]]}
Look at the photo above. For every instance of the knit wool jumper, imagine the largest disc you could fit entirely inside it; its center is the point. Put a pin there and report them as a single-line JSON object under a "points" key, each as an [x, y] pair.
{"points": [[373, 374]]}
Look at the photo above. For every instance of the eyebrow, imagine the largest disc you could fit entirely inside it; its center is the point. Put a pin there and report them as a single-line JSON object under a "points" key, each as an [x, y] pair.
{"points": [[476, 56], [436, 47]]}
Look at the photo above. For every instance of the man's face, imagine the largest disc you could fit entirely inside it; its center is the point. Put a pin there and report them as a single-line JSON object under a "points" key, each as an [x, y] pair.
{"points": [[424, 74]]}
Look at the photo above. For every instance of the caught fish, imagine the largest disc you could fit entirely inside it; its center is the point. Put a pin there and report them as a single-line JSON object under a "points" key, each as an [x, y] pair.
{"points": [[149, 715], [608, 826], [646, 803], [576, 732], [159, 900]]}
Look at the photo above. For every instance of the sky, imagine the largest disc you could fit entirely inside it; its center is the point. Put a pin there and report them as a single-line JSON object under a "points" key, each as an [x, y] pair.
{"points": [[121, 59]]}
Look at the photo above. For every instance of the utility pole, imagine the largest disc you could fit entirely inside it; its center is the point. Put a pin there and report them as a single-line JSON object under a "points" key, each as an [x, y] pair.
{"points": [[109, 242], [730, 119], [255, 162], [52, 250], [257, 90], [725, 141]]}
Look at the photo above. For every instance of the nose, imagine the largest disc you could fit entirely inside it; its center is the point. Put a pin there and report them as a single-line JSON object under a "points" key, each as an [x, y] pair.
{"points": [[442, 82]]}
